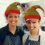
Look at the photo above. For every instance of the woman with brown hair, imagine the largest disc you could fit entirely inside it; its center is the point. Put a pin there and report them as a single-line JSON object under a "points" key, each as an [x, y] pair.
{"points": [[32, 19]]}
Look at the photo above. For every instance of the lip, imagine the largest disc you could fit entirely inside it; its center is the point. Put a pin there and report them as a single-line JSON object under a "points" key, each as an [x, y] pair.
{"points": [[13, 22], [32, 28]]}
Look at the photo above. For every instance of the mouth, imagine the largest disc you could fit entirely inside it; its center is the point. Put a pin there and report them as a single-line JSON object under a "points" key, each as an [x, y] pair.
{"points": [[13, 23], [32, 28]]}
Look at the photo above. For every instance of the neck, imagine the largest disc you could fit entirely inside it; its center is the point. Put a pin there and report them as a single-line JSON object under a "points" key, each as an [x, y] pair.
{"points": [[34, 33], [12, 29]]}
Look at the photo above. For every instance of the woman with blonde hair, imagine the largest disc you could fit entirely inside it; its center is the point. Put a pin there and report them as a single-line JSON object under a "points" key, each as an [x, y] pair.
{"points": [[11, 34]]}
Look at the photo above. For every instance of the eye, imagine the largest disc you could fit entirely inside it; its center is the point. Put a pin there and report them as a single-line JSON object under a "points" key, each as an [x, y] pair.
{"points": [[10, 16], [16, 16], [33, 22], [28, 22]]}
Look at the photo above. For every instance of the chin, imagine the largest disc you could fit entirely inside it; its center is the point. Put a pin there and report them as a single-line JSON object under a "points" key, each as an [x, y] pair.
{"points": [[13, 24]]}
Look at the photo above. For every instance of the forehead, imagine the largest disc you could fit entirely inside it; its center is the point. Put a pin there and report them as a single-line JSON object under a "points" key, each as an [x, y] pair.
{"points": [[13, 14], [34, 20]]}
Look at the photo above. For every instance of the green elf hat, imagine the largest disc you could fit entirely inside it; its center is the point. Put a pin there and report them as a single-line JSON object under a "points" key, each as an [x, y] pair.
{"points": [[31, 13], [12, 8]]}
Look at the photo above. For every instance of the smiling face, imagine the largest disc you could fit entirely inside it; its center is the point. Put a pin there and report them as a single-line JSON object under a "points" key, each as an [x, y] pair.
{"points": [[33, 25], [12, 19]]}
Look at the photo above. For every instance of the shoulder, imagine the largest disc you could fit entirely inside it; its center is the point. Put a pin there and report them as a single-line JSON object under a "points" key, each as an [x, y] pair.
{"points": [[25, 36], [42, 37], [2, 34], [20, 30], [3, 29]]}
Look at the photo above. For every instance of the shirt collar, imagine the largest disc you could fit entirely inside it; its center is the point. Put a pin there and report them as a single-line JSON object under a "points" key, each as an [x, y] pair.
{"points": [[9, 33]]}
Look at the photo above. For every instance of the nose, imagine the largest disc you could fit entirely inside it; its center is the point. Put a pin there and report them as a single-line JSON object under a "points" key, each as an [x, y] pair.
{"points": [[13, 18], [31, 24]]}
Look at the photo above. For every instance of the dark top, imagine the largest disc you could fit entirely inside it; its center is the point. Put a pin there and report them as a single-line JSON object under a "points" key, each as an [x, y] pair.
{"points": [[30, 42], [7, 38]]}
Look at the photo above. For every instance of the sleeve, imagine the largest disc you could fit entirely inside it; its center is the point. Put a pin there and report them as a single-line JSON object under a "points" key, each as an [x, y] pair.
{"points": [[25, 36], [42, 40], [2, 37]]}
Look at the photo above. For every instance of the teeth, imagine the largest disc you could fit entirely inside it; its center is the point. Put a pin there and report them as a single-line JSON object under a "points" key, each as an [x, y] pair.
{"points": [[13, 22]]}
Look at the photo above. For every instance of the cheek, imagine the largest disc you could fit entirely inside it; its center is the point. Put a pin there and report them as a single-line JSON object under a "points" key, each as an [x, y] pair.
{"points": [[28, 25], [37, 25], [17, 20], [9, 21]]}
